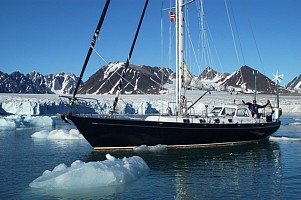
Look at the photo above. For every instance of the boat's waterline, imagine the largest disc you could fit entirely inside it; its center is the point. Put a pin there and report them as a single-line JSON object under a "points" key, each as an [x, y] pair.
{"points": [[188, 146]]}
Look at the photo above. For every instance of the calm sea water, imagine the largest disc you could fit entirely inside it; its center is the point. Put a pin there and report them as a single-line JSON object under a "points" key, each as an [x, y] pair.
{"points": [[265, 170]]}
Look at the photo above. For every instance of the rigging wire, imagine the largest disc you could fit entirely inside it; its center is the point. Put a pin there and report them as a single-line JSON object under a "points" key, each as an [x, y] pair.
{"points": [[207, 59], [202, 32], [257, 48], [233, 38], [123, 78], [237, 34], [94, 39], [232, 33], [215, 49], [94, 50], [120, 76], [129, 57]]}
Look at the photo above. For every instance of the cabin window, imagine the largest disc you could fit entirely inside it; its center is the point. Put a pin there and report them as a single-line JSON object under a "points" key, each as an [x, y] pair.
{"points": [[228, 111], [216, 110], [242, 112]]}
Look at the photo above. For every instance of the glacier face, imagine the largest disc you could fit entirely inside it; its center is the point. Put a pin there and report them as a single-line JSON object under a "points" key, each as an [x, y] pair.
{"points": [[51, 104]]}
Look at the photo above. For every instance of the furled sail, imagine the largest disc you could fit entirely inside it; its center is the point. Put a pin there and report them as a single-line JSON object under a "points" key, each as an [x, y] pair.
{"points": [[187, 76]]}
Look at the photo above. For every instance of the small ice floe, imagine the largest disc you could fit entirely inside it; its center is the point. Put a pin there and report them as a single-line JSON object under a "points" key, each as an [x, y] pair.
{"points": [[26, 121], [295, 124], [7, 123], [145, 148], [58, 134], [282, 138], [81, 175], [38, 121]]}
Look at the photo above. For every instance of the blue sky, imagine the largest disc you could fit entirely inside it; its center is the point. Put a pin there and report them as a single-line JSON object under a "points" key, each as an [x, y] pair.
{"points": [[52, 36]]}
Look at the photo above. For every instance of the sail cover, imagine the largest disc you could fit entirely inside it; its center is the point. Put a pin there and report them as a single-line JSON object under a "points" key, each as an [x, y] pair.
{"points": [[187, 76]]}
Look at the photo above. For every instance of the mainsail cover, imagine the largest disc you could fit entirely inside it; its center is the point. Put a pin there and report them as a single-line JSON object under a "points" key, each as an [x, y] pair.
{"points": [[187, 76]]}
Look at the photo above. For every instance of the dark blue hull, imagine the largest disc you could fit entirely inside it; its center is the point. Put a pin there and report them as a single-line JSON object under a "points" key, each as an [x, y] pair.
{"points": [[116, 133]]}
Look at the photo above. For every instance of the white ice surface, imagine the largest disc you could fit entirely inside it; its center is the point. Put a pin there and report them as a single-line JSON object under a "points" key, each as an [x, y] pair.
{"points": [[79, 175], [25, 121], [42, 104], [145, 148], [282, 138], [7, 123], [58, 134]]}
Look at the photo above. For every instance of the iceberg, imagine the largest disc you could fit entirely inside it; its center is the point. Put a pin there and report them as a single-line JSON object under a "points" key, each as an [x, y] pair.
{"points": [[58, 134], [7, 123], [145, 148], [25, 121], [81, 175], [283, 138]]}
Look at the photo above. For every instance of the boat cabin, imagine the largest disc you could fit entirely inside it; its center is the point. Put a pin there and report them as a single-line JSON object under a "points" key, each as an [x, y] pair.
{"points": [[219, 114], [232, 114], [230, 110]]}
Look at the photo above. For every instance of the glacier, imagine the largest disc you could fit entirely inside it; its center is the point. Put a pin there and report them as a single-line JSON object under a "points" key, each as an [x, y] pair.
{"points": [[51, 104]]}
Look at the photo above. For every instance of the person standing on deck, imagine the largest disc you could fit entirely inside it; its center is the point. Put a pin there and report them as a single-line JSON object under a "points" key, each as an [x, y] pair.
{"points": [[254, 107]]}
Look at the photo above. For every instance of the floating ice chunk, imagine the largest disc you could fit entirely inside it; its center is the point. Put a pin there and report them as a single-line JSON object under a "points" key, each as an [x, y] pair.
{"points": [[145, 148], [109, 157], [58, 134], [112, 171], [38, 121], [295, 124], [7, 123], [40, 134], [274, 138], [25, 121]]}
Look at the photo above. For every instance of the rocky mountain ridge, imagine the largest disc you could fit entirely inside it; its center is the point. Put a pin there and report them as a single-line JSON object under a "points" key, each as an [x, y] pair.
{"points": [[140, 80], [36, 83]]}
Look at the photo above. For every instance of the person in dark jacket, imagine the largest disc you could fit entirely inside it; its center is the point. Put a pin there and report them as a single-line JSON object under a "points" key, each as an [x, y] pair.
{"points": [[254, 107]]}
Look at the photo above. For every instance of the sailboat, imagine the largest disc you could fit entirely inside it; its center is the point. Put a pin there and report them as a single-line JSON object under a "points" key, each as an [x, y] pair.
{"points": [[226, 124]]}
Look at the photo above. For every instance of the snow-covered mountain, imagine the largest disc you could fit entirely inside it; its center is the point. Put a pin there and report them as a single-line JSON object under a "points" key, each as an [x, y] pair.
{"points": [[210, 75], [61, 83], [36, 83], [295, 84], [137, 80], [247, 79], [240, 80], [208, 79]]}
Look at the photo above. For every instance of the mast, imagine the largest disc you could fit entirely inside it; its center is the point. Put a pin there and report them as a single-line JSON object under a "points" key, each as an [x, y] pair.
{"points": [[277, 79], [128, 60], [177, 57], [181, 100], [255, 79], [181, 103], [95, 36]]}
